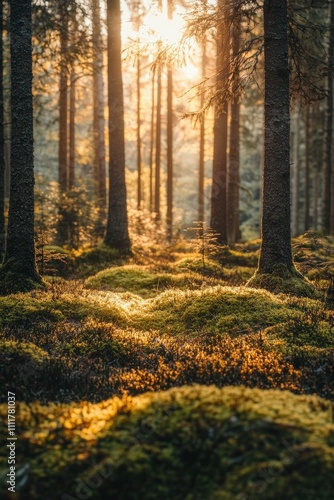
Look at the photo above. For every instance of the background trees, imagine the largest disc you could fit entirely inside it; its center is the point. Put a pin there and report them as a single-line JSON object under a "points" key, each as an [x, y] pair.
{"points": [[168, 179]]}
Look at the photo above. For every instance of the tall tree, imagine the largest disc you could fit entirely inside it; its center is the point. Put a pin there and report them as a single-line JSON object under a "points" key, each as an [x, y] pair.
{"points": [[139, 178], [18, 272], [117, 234], [233, 180], [152, 140], [328, 148], [2, 141], [219, 172], [202, 148], [158, 147], [276, 254], [63, 117], [307, 170], [169, 218], [98, 106], [296, 172]]}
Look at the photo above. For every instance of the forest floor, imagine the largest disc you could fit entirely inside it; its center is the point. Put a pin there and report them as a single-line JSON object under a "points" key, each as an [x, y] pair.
{"points": [[163, 377]]}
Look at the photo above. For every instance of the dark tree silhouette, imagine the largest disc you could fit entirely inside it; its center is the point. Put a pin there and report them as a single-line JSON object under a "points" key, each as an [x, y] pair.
{"points": [[275, 263], [117, 235], [219, 171], [2, 142], [18, 272]]}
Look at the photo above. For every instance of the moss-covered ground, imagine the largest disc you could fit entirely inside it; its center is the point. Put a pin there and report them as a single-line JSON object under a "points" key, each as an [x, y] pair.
{"points": [[160, 377]]}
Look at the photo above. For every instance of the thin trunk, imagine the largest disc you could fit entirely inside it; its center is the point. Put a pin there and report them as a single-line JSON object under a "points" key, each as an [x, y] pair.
{"points": [[152, 141], [158, 148], [296, 173], [202, 148], [327, 174], [276, 233], [169, 218], [219, 171], [315, 197], [233, 180], [98, 119], [19, 269], [2, 143], [307, 170], [139, 191], [63, 173], [71, 170], [62, 229], [117, 235]]}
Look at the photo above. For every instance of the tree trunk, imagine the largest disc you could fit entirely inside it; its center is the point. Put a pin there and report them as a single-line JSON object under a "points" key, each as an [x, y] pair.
{"points": [[276, 237], [71, 169], [98, 98], [152, 142], [307, 170], [139, 190], [63, 173], [202, 149], [2, 142], [117, 235], [296, 173], [18, 272], [219, 171], [158, 149], [233, 180], [62, 229], [169, 218], [327, 174]]}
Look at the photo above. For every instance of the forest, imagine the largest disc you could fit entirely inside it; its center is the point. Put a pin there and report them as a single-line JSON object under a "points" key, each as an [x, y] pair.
{"points": [[167, 249]]}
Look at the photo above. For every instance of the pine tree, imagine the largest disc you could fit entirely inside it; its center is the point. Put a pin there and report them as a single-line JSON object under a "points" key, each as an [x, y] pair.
{"points": [[18, 272], [117, 235]]}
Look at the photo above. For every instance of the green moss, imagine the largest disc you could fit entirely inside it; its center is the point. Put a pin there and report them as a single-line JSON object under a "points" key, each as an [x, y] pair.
{"points": [[284, 280], [34, 309], [89, 262], [192, 442], [17, 352], [218, 309], [141, 280], [17, 276]]}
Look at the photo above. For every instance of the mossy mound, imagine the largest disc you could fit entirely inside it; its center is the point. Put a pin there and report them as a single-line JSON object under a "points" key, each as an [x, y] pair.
{"points": [[16, 277], [58, 261], [195, 263], [40, 308], [191, 442], [141, 280], [89, 262], [216, 310], [284, 280]]}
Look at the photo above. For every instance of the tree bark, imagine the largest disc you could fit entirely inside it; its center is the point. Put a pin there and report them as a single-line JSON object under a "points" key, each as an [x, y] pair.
{"points": [[2, 142], [71, 169], [63, 100], [98, 118], [219, 171], [117, 235], [62, 229], [170, 167], [276, 237], [139, 180], [202, 149], [307, 170], [296, 173], [328, 148], [158, 148], [152, 142], [233, 180], [19, 272]]}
